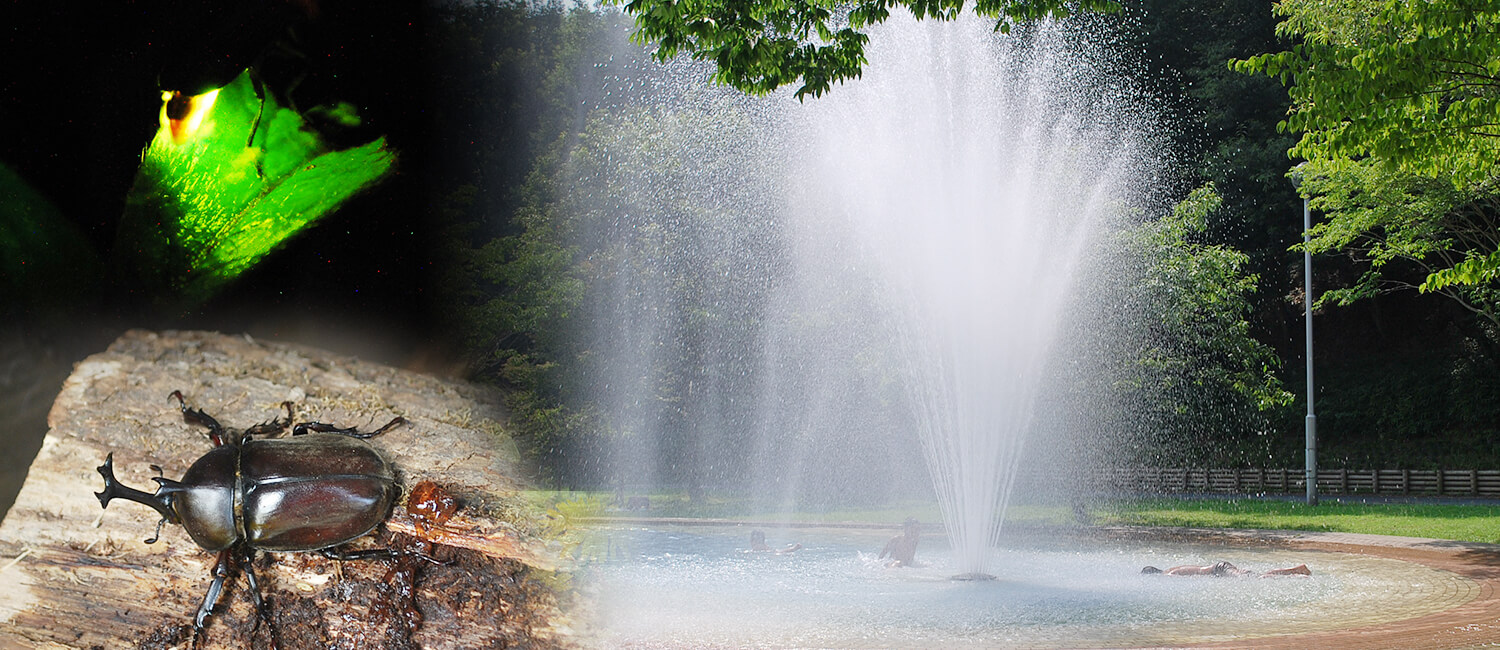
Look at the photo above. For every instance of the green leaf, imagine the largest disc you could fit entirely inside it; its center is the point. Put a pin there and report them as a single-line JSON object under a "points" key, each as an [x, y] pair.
{"points": [[204, 209], [1470, 272], [759, 47]]}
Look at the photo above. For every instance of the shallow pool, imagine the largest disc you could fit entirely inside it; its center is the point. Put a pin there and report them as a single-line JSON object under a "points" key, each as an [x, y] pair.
{"points": [[699, 587]]}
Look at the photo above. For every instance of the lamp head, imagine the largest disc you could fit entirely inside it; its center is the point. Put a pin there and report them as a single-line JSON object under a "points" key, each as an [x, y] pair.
{"points": [[1296, 174]]}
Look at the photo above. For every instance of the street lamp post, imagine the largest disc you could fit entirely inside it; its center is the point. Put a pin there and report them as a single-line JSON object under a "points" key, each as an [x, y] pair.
{"points": [[1310, 425]]}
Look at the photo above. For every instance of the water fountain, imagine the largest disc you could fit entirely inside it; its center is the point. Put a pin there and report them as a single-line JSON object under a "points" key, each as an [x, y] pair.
{"points": [[807, 298], [979, 168], [903, 249]]}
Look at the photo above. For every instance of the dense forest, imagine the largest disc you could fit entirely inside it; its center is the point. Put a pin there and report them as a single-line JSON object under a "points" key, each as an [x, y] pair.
{"points": [[525, 132]]}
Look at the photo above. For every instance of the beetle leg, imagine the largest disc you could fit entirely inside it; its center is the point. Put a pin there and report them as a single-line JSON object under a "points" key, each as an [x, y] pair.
{"points": [[420, 549], [221, 572], [271, 428], [157, 536], [334, 553], [262, 608], [198, 417], [319, 427]]}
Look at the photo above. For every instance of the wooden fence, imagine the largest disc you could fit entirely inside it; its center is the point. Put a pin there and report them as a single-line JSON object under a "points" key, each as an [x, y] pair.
{"points": [[1453, 482]]}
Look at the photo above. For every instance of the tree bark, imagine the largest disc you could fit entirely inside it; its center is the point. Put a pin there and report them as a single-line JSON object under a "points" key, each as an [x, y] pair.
{"points": [[75, 576]]}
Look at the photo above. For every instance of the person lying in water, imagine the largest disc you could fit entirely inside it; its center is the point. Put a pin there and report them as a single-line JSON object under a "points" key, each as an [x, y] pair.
{"points": [[902, 548], [758, 544], [1226, 569]]}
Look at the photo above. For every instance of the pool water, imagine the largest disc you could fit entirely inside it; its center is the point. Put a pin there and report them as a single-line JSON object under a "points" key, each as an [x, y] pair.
{"points": [[699, 587]]}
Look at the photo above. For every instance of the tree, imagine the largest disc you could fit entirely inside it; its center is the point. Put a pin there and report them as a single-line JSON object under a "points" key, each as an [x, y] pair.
{"points": [[1183, 380], [514, 77], [761, 46], [1419, 225], [1400, 120]]}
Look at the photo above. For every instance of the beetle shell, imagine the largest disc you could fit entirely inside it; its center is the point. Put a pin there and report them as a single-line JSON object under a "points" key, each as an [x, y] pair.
{"points": [[312, 491], [299, 494]]}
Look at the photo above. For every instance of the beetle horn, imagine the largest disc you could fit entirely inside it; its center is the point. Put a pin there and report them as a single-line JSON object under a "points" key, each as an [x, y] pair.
{"points": [[161, 501]]}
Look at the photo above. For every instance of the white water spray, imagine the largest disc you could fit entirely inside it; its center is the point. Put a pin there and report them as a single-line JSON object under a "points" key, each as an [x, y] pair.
{"points": [[977, 168], [787, 294]]}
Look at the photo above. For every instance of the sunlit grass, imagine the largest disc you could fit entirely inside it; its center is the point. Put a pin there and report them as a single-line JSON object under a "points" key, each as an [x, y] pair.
{"points": [[1473, 523]]}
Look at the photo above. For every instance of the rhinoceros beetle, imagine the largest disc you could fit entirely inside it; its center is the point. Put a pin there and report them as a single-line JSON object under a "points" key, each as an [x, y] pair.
{"points": [[314, 491]]}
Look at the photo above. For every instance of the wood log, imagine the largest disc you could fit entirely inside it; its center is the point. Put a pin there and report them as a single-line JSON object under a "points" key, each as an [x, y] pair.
{"points": [[75, 576]]}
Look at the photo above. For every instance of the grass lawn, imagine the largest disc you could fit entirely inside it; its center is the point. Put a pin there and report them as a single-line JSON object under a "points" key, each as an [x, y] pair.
{"points": [[1473, 523]]}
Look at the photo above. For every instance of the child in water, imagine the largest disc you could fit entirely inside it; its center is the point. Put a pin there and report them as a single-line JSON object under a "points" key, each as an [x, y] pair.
{"points": [[902, 548], [758, 544], [1222, 569]]}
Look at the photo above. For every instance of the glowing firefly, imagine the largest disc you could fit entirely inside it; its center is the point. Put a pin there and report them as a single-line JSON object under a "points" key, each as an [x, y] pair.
{"points": [[182, 114]]}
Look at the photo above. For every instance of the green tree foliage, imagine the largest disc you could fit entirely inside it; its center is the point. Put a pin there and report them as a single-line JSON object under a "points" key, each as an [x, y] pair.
{"points": [[514, 77], [761, 46], [677, 266], [1413, 232], [592, 237], [1400, 121], [1222, 124], [1410, 83], [1184, 381]]}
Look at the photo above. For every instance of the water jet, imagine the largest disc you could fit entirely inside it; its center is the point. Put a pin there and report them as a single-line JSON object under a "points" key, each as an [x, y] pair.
{"points": [[979, 170]]}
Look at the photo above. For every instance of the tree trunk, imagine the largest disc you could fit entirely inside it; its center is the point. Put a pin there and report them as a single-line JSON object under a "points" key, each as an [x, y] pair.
{"points": [[75, 576]]}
